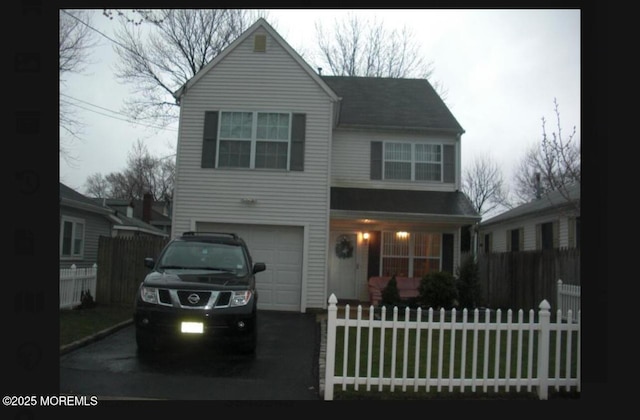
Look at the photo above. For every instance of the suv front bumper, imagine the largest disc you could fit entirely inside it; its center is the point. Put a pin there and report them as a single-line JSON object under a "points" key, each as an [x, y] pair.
{"points": [[167, 323]]}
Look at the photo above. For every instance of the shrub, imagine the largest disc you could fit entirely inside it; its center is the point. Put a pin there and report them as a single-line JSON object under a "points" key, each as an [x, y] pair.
{"points": [[468, 283], [390, 294], [438, 290], [86, 300]]}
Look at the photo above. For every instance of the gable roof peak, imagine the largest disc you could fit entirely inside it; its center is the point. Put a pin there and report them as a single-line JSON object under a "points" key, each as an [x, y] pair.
{"points": [[260, 22]]}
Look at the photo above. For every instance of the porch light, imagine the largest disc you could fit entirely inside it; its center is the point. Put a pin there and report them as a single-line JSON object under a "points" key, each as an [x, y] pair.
{"points": [[365, 236], [402, 234]]}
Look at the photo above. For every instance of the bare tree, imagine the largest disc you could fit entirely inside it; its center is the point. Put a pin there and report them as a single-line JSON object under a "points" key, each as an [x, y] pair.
{"points": [[483, 183], [97, 186], [353, 47], [75, 42], [158, 58], [144, 173], [553, 164]]}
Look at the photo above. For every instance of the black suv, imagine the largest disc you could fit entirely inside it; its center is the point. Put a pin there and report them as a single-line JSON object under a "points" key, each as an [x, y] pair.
{"points": [[201, 288]]}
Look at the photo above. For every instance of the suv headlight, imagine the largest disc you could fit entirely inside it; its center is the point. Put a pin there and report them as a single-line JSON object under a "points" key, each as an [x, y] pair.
{"points": [[240, 298], [149, 294]]}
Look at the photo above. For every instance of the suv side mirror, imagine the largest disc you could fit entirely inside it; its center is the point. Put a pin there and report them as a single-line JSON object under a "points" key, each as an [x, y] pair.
{"points": [[149, 263], [258, 267]]}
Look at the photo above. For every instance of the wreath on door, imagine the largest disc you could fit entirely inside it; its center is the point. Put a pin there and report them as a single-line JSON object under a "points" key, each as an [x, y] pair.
{"points": [[344, 247]]}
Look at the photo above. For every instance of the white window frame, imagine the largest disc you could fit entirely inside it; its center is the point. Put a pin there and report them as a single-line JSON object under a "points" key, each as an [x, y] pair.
{"points": [[74, 223], [411, 251], [413, 160], [254, 140]]}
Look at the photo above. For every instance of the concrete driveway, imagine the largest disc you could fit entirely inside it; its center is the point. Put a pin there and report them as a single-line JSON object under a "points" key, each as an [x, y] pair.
{"points": [[285, 366]]}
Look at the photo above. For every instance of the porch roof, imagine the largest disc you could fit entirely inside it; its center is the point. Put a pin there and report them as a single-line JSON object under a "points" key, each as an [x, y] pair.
{"points": [[438, 204]]}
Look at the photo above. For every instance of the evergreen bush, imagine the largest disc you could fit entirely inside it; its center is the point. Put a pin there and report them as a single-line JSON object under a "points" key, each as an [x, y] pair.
{"points": [[468, 283], [390, 294], [438, 290]]}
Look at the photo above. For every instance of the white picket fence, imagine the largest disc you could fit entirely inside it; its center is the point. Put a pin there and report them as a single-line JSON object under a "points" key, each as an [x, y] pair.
{"points": [[501, 352], [73, 281], [568, 298]]}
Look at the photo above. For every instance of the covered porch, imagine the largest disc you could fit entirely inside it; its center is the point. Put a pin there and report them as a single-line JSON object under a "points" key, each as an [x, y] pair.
{"points": [[385, 232]]}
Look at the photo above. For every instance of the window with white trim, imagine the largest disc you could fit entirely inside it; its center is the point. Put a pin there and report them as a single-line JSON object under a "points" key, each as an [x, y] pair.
{"points": [[254, 140], [410, 254], [71, 237], [412, 161]]}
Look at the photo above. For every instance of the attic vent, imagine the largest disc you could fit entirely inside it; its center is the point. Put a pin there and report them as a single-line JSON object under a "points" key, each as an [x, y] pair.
{"points": [[260, 43]]}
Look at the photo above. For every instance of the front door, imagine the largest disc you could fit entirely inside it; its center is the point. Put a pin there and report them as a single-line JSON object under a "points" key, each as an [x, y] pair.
{"points": [[343, 265]]}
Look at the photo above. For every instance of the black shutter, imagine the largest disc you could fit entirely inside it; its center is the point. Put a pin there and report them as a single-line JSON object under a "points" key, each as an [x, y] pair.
{"points": [[447, 252], [373, 268], [376, 160], [209, 140], [449, 163], [298, 132]]}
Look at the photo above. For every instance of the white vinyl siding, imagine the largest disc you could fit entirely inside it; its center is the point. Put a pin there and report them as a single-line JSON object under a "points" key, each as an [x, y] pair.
{"points": [[351, 159], [255, 82], [500, 232]]}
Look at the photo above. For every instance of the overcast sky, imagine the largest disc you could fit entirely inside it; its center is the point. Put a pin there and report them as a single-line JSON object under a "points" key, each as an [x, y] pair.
{"points": [[501, 70]]}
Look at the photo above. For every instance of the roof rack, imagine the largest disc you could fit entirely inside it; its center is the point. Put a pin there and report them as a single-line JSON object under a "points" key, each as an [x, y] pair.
{"points": [[193, 233]]}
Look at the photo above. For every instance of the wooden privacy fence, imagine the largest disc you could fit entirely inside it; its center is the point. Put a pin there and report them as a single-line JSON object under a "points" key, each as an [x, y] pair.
{"points": [[523, 279], [122, 269], [479, 355], [74, 281]]}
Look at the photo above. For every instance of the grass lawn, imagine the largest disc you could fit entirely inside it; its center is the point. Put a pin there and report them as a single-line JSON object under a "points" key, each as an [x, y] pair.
{"points": [[76, 324]]}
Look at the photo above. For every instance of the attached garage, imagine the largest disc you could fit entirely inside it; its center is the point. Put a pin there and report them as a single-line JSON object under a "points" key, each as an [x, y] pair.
{"points": [[281, 249]]}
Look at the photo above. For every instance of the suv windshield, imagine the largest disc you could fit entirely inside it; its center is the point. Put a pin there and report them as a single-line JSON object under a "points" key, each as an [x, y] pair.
{"points": [[204, 256]]}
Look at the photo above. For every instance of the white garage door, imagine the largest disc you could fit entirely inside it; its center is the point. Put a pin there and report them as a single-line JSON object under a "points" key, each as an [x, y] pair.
{"points": [[280, 248]]}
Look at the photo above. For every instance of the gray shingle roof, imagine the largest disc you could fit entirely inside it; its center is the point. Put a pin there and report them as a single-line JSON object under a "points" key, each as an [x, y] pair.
{"points": [[391, 102], [551, 200], [120, 206], [69, 194], [399, 201]]}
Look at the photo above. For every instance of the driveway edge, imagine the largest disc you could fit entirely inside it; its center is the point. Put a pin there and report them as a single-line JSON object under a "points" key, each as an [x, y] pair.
{"points": [[95, 337]]}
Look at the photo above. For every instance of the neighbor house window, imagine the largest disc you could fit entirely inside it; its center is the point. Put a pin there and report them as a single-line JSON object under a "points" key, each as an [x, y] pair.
{"points": [[546, 232], [515, 240], [547, 235], [254, 140], [487, 242], [72, 238], [412, 161], [410, 254]]}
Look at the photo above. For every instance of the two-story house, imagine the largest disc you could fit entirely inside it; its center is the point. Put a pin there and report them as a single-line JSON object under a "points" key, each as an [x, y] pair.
{"points": [[330, 180]]}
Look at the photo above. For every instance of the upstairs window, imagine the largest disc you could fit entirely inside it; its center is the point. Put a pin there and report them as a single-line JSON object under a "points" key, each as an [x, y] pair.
{"points": [[413, 162], [254, 140], [406, 161]]}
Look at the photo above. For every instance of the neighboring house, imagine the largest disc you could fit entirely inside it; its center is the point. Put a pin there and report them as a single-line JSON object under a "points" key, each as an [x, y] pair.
{"points": [[549, 222], [139, 217], [83, 220], [330, 180], [158, 214]]}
